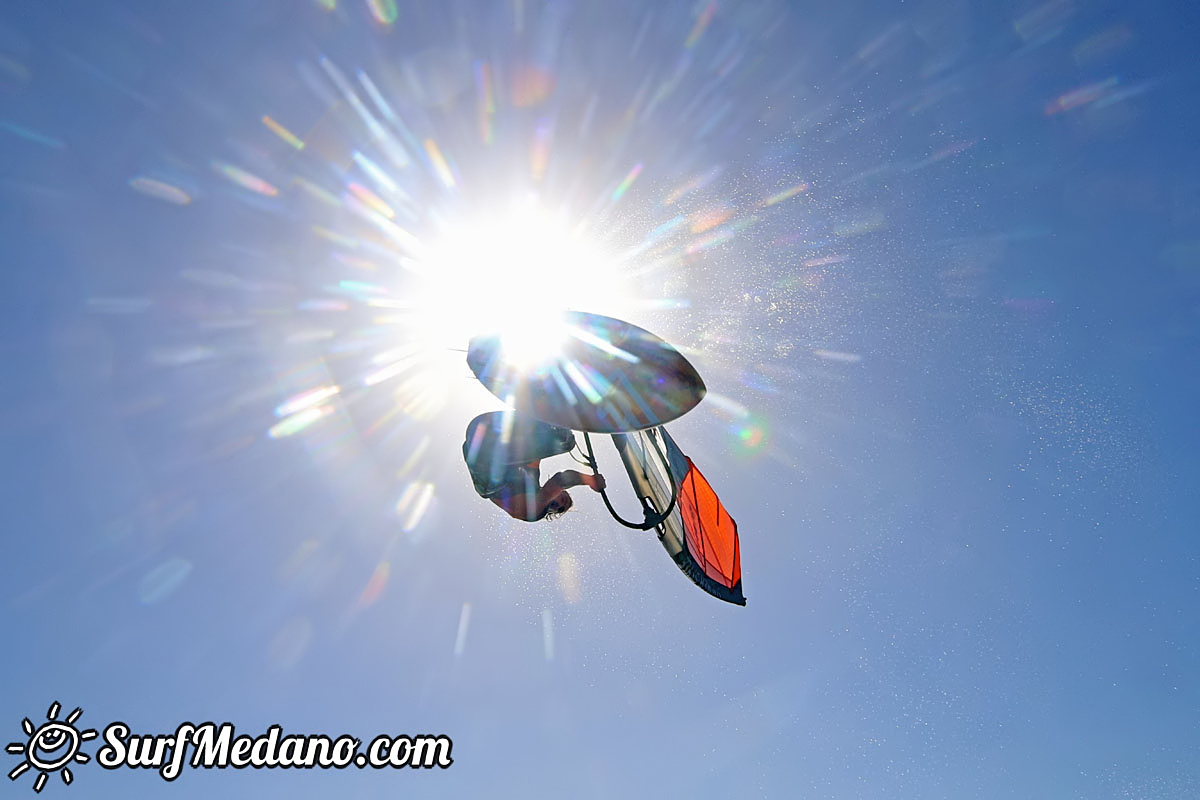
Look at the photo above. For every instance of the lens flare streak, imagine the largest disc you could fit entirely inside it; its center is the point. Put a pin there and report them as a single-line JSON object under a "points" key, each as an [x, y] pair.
{"points": [[786, 194], [245, 179], [298, 422], [413, 504], [486, 93], [438, 161], [375, 585], [1084, 95], [464, 623], [602, 345], [307, 399], [702, 23], [375, 173], [283, 133], [32, 136], [160, 190], [579, 380], [369, 201], [624, 185]]}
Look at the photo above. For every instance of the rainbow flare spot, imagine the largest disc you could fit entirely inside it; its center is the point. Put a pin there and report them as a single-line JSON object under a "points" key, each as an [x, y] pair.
{"points": [[540, 157], [707, 220], [751, 435], [245, 179], [627, 182], [375, 585], [371, 200], [305, 400], [1081, 96], [439, 164], [706, 17], [297, 422], [699, 182], [384, 11], [282, 132], [317, 193], [786, 194]]}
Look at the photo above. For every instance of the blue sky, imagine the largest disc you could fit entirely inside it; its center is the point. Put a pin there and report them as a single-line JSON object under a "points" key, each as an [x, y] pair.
{"points": [[939, 264]]}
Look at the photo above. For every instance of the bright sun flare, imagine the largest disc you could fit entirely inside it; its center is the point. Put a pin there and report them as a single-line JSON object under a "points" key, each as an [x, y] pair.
{"points": [[513, 273]]}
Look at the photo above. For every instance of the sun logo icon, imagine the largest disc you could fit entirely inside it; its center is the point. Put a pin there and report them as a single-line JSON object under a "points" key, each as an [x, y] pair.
{"points": [[52, 746]]}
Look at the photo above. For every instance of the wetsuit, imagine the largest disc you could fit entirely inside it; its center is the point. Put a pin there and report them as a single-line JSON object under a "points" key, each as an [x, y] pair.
{"points": [[508, 464]]}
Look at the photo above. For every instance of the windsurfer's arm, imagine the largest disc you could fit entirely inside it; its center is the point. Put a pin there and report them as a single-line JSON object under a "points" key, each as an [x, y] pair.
{"points": [[569, 478]]}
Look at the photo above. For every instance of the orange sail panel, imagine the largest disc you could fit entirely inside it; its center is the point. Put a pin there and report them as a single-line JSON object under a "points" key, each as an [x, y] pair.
{"points": [[699, 534], [711, 533]]}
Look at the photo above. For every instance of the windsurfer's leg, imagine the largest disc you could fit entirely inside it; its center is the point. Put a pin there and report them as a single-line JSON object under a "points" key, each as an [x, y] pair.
{"points": [[555, 440]]}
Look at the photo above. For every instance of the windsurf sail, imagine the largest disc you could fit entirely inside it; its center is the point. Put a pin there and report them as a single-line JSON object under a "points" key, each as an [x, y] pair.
{"points": [[698, 533]]}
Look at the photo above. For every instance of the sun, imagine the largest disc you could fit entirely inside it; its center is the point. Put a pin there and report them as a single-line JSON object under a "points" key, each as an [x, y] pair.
{"points": [[51, 747], [513, 271]]}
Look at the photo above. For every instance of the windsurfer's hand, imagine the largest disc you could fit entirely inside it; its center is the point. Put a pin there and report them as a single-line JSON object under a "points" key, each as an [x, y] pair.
{"points": [[595, 481]]}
